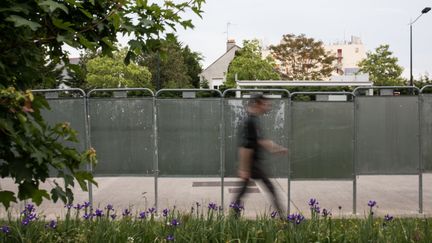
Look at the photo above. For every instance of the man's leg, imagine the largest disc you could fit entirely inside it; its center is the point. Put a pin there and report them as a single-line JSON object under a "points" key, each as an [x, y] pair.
{"points": [[272, 190], [240, 194]]}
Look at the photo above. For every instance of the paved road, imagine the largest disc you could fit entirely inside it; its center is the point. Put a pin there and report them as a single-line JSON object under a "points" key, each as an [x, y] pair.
{"points": [[397, 195]]}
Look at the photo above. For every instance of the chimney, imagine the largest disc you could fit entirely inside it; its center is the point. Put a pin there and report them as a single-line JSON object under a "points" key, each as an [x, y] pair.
{"points": [[230, 44]]}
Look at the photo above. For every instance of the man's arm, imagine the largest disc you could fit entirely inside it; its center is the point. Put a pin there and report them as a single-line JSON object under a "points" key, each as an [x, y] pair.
{"points": [[271, 146], [245, 157]]}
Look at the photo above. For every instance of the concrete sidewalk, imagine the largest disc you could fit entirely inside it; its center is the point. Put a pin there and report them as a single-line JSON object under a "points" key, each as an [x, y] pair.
{"points": [[396, 195]]}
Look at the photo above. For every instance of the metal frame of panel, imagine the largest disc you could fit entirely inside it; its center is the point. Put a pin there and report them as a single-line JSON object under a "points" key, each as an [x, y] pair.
{"points": [[353, 174], [422, 126], [83, 96], [284, 91], [413, 90], [158, 94], [88, 96]]}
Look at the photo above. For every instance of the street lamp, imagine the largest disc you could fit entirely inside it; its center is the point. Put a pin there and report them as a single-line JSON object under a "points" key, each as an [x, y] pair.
{"points": [[425, 10]]}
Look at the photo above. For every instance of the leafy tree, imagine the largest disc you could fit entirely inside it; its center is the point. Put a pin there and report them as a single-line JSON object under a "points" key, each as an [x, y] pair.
{"points": [[248, 64], [204, 84], [382, 67], [179, 69], [302, 58], [111, 72], [32, 36], [192, 61]]}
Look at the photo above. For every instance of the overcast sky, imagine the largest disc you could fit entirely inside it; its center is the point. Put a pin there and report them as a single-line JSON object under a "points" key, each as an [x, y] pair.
{"points": [[375, 21]]}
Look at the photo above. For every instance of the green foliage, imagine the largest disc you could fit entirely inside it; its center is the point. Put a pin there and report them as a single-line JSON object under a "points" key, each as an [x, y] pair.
{"points": [[33, 34], [172, 65], [382, 67], [423, 81], [302, 58], [111, 72], [204, 84], [29, 149], [248, 64]]}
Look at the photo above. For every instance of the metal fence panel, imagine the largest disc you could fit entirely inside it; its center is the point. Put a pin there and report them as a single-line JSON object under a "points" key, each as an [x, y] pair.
{"points": [[387, 135], [188, 137], [275, 126], [122, 134], [69, 110], [322, 134], [426, 131]]}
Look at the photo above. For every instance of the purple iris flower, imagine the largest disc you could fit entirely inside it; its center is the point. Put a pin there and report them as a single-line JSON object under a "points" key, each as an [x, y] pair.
{"points": [[68, 206], [236, 206], [98, 213], [326, 212], [109, 207], [371, 203], [151, 210], [212, 206], [87, 216], [126, 212], [170, 238], [25, 221], [52, 224], [113, 216], [313, 202], [295, 218], [86, 204], [142, 215], [388, 218], [175, 222], [30, 207], [5, 229], [274, 214], [165, 212], [78, 206]]}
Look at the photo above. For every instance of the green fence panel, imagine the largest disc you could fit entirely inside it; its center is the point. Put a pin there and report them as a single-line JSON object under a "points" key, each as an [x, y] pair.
{"points": [[322, 140], [387, 135], [426, 131], [121, 131], [275, 126], [188, 137], [69, 110]]}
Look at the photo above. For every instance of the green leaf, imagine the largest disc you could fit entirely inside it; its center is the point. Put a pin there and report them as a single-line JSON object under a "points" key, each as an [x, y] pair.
{"points": [[82, 176], [86, 43], [56, 193], [38, 196], [20, 21], [6, 197], [53, 6], [62, 25]]}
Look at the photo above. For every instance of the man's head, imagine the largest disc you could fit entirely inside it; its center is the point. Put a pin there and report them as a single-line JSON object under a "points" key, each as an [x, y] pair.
{"points": [[259, 104]]}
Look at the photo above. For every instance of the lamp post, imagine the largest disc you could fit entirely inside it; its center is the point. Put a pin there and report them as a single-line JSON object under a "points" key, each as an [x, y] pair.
{"points": [[425, 10]]}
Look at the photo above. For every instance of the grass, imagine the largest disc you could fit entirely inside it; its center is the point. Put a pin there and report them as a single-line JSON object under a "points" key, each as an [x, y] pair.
{"points": [[210, 224]]}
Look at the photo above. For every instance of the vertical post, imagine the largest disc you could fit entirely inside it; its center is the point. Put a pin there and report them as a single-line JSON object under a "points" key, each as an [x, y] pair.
{"points": [[88, 141], [420, 150], [222, 149], [290, 143], [155, 154], [354, 158]]}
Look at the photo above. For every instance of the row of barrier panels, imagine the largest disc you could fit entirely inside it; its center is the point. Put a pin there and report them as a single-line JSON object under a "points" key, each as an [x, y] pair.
{"points": [[192, 133]]}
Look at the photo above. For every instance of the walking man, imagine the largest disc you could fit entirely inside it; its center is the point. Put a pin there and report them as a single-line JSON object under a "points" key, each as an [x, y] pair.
{"points": [[251, 145]]}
